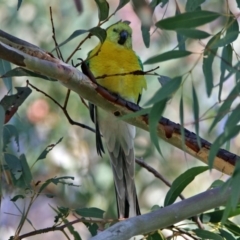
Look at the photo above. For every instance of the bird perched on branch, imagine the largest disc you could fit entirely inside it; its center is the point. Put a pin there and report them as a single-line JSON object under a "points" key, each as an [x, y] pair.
{"points": [[110, 62]]}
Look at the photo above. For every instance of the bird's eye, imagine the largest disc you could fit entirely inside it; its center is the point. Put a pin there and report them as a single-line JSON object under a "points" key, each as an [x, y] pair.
{"points": [[115, 30]]}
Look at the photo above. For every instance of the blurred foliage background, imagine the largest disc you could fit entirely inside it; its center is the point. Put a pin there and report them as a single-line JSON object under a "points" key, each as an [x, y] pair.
{"points": [[40, 122]]}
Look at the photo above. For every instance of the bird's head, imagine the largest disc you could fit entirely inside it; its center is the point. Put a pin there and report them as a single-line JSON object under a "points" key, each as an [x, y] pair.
{"points": [[121, 34]]}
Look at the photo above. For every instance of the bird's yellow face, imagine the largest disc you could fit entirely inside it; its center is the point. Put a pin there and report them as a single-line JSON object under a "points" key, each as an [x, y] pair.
{"points": [[121, 34]]}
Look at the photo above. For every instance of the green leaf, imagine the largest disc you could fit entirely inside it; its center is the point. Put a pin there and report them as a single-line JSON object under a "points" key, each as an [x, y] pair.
{"points": [[92, 227], [181, 113], [216, 183], [238, 3], [225, 107], [121, 4], [167, 56], [15, 198], [164, 80], [235, 194], [146, 35], [192, 5], [49, 148], [2, 117], [10, 131], [99, 32], [226, 64], [231, 33], [72, 36], [216, 215], [163, 3], [90, 212], [195, 107], [187, 20], [136, 114], [13, 102], [156, 236], [19, 4], [22, 72], [181, 182], [5, 66], [181, 42], [180, 38], [209, 55], [154, 117], [27, 175], [103, 9], [221, 139], [166, 91], [193, 33], [233, 119], [13, 165], [19, 169], [55, 181], [232, 227], [226, 235], [204, 234], [71, 229]]}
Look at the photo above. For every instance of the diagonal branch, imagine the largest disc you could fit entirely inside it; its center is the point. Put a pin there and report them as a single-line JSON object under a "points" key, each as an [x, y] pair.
{"points": [[37, 60]]}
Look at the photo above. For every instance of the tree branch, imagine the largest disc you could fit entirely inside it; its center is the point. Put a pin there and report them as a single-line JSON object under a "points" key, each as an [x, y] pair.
{"points": [[35, 59], [166, 216]]}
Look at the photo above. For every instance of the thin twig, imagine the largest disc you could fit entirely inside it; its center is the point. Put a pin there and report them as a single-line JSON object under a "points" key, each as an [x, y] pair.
{"points": [[141, 163], [72, 122], [61, 228], [54, 37], [136, 72], [155, 173]]}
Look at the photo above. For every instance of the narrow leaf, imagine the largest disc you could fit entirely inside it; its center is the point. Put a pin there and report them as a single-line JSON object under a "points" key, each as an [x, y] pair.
{"points": [[181, 113], [10, 131], [232, 227], [13, 165], [204, 234], [166, 91], [5, 66], [47, 150], [154, 117], [195, 107], [167, 56], [225, 107], [209, 55], [224, 137], [238, 3], [15, 198], [181, 182], [19, 4], [180, 38], [72, 36], [193, 33], [103, 9], [99, 32], [121, 4], [226, 64], [146, 35], [192, 5], [231, 33], [187, 20], [22, 72], [226, 235], [90, 212]]}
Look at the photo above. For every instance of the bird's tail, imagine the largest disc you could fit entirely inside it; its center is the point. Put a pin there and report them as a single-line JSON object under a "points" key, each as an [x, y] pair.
{"points": [[123, 172]]}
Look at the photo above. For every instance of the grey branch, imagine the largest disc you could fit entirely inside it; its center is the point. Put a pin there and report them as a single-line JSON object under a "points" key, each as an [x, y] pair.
{"points": [[166, 216]]}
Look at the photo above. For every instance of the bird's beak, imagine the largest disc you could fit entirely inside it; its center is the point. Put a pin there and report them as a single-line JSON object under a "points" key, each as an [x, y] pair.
{"points": [[123, 37]]}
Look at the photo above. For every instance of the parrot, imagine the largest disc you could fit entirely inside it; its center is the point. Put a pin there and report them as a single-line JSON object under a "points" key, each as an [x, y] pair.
{"points": [[115, 56]]}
